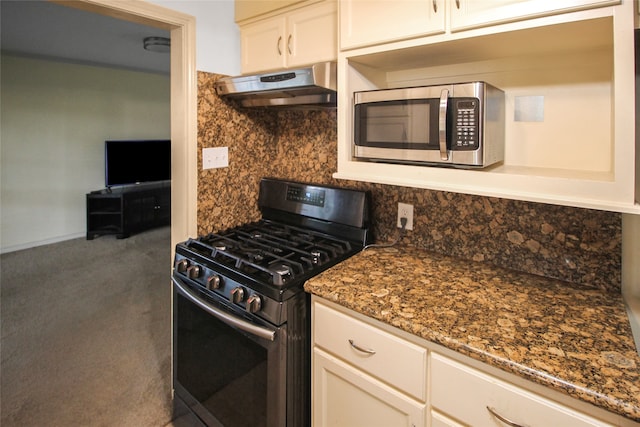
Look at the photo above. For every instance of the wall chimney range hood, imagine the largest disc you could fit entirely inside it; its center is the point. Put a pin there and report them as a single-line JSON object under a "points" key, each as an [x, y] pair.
{"points": [[312, 87]]}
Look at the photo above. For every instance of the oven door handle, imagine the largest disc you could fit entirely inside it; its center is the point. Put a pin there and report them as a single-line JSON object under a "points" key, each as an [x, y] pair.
{"points": [[223, 316]]}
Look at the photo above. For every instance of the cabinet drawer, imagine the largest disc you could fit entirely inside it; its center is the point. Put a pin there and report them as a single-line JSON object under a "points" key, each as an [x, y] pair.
{"points": [[396, 362], [464, 394]]}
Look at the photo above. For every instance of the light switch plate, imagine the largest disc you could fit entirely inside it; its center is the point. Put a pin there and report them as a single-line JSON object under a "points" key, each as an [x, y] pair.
{"points": [[215, 157]]}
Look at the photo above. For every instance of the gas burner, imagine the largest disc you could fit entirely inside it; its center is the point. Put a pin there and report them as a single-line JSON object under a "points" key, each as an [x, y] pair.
{"points": [[315, 256], [253, 255], [280, 273]]}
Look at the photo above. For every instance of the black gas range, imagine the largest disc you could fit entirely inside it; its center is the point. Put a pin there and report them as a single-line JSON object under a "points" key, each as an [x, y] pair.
{"points": [[239, 300]]}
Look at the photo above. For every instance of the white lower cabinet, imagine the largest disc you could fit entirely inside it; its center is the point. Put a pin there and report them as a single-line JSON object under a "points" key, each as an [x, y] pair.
{"points": [[471, 397], [364, 376], [344, 396], [369, 374], [440, 420]]}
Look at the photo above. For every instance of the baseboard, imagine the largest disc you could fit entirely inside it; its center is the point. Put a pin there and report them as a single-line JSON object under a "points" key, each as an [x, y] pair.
{"points": [[30, 245]]}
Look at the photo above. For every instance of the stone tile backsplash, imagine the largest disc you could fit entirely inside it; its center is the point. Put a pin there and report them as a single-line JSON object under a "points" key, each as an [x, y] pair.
{"points": [[581, 246]]}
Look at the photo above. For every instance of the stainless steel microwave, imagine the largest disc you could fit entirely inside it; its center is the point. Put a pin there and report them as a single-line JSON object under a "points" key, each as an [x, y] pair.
{"points": [[460, 125]]}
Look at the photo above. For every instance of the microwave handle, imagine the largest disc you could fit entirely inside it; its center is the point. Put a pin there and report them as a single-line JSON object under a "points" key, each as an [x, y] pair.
{"points": [[442, 124]]}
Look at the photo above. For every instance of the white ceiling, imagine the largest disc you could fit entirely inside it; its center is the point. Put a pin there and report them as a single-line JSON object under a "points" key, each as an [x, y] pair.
{"points": [[46, 30]]}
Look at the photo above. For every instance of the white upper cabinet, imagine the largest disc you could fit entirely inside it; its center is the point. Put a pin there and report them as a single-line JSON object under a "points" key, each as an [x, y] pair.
{"points": [[369, 22], [573, 61], [294, 38], [247, 9], [364, 22], [467, 14], [263, 45]]}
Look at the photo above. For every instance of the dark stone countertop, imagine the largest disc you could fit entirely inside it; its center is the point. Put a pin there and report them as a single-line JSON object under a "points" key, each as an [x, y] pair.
{"points": [[574, 340]]}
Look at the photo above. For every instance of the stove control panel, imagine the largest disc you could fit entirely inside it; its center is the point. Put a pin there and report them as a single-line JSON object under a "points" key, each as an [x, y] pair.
{"points": [[219, 287], [307, 195]]}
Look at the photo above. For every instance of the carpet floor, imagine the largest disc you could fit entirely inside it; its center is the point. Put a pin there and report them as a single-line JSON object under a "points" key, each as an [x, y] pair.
{"points": [[86, 333]]}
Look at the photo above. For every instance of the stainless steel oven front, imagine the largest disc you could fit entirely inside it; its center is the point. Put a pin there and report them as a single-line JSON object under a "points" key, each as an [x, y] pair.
{"points": [[234, 369]]}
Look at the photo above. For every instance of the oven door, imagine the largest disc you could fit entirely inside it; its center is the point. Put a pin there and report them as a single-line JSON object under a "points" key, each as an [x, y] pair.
{"points": [[229, 369]]}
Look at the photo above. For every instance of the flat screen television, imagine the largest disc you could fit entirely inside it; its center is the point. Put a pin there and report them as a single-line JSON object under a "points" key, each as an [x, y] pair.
{"points": [[138, 161]]}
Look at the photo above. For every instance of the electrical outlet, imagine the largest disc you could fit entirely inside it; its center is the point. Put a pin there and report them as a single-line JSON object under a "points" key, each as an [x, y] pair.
{"points": [[405, 211], [215, 157]]}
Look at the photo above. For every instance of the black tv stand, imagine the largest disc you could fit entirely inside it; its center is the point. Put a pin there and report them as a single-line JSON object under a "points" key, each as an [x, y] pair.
{"points": [[127, 210]]}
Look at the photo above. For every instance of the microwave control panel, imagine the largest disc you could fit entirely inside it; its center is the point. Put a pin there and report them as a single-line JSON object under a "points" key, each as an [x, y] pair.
{"points": [[465, 127]]}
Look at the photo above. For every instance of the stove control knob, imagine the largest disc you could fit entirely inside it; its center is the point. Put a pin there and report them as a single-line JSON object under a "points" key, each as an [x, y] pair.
{"points": [[193, 272], [181, 266], [237, 295], [254, 304], [213, 282]]}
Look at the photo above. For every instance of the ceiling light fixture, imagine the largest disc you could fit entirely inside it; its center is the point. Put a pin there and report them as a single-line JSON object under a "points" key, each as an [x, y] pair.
{"points": [[157, 44]]}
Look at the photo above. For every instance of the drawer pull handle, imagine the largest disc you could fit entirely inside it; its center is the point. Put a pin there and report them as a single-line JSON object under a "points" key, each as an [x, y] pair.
{"points": [[503, 419], [361, 349]]}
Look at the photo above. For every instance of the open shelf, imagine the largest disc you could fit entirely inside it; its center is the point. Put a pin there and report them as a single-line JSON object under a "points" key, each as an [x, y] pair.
{"points": [[579, 71]]}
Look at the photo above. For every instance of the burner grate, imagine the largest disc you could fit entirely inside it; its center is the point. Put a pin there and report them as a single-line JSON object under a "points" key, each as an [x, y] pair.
{"points": [[277, 253]]}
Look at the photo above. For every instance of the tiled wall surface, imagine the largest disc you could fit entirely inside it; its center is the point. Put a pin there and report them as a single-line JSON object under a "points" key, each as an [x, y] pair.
{"points": [[577, 245]]}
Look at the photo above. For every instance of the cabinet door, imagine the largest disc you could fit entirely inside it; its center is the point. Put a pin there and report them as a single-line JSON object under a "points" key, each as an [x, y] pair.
{"points": [[162, 207], [149, 209], [312, 34], [367, 22], [453, 383], [440, 420], [263, 45], [133, 212], [474, 13], [346, 397], [246, 9]]}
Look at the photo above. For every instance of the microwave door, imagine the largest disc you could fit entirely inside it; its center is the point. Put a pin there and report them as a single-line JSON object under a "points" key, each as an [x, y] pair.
{"points": [[401, 124]]}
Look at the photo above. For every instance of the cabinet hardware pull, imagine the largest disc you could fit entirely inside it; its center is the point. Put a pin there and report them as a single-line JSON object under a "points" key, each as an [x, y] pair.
{"points": [[458, 4], [289, 44], [503, 419], [279, 43], [361, 349], [435, 6]]}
